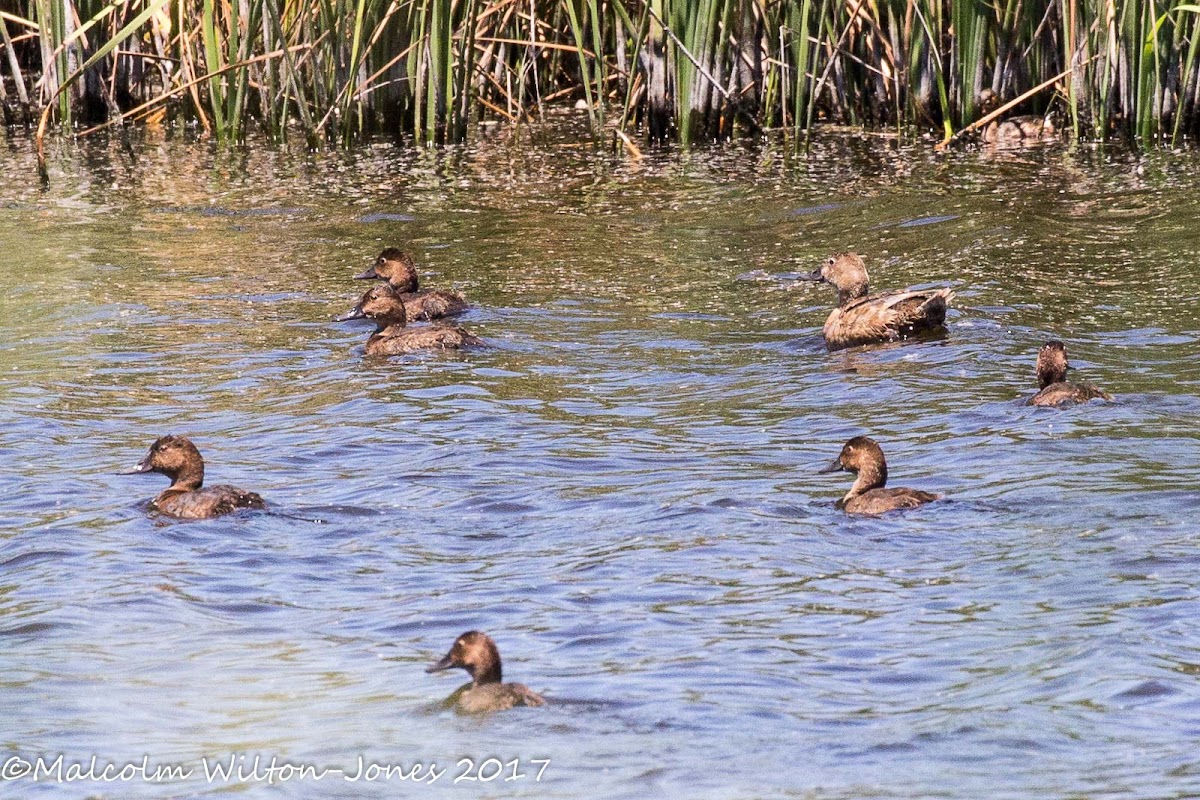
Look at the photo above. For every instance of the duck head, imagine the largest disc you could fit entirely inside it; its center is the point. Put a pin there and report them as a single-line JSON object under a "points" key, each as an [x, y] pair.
{"points": [[1052, 363], [394, 266], [177, 458], [846, 272], [987, 102], [477, 654], [382, 304], [864, 457]]}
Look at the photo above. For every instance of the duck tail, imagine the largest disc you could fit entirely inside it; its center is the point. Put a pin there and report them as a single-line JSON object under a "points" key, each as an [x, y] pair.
{"points": [[937, 301]]}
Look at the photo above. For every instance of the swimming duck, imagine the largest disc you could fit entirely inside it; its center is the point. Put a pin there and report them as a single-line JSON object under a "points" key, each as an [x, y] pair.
{"points": [[863, 318], [1052, 369], [864, 457], [178, 459], [1013, 130], [398, 268], [477, 654], [385, 306]]}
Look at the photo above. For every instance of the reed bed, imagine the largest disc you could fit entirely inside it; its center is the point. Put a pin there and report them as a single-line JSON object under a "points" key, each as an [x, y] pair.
{"points": [[335, 71]]}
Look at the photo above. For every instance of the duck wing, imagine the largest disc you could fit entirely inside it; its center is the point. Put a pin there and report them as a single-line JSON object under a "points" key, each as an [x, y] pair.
{"points": [[434, 337], [211, 501], [433, 305], [881, 501]]}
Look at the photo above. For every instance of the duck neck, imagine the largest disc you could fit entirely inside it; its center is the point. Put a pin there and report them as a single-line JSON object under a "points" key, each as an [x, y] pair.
{"points": [[849, 294], [490, 673], [1050, 377], [870, 476], [188, 479]]}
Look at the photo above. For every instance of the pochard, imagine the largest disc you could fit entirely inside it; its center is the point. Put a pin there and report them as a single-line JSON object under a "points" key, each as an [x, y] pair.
{"points": [[1052, 369], [476, 653], [386, 308], [1012, 130], [187, 497], [864, 457], [397, 267], [863, 318]]}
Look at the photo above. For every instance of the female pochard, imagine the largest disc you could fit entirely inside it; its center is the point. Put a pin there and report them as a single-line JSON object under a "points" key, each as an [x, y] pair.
{"points": [[385, 306], [864, 457], [864, 318], [476, 653], [187, 497], [400, 271], [1056, 390]]}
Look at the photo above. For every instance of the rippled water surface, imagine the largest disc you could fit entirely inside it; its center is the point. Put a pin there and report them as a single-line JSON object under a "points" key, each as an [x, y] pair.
{"points": [[623, 490]]}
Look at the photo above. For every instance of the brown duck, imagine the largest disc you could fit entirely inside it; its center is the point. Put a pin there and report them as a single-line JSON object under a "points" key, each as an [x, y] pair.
{"points": [[477, 654], [385, 306], [863, 318], [1052, 369], [1013, 130], [186, 498], [398, 268], [863, 456]]}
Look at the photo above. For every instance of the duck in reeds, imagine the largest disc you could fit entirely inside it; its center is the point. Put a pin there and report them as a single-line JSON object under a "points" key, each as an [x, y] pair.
{"points": [[186, 498], [863, 318], [386, 307], [1012, 130], [398, 268], [864, 457], [1052, 369], [477, 654]]}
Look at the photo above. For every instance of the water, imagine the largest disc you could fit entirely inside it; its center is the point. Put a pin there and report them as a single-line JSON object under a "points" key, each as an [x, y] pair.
{"points": [[623, 490]]}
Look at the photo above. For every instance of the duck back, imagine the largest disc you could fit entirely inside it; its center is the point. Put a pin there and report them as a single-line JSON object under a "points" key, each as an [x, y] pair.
{"points": [[1016, 130], [1064, 393], [880, 501], [432, 304], [488, 697], [887, 317], [409, 340], [212, 501]]}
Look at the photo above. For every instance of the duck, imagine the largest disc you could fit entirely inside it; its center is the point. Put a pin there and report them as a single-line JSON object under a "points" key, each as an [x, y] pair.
{"points": [[186, 497], [476, 653], [862, 318], [397, 267], [386, 307], [1013, 130], [864, 457], [1052, 369]]}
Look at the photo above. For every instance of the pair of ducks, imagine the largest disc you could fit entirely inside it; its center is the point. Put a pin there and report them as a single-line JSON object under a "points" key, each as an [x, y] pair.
{"points": [[863, 318], [391, 305], [188, 498], [864, 457]]}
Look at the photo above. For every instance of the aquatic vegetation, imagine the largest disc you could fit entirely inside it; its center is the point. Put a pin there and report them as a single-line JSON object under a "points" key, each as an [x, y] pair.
{"points": [[686, 70]]}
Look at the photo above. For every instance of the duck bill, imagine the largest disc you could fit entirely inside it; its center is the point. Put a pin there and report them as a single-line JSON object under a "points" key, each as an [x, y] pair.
{"points": [[367, 274], [142, 466], [814, 276], [836, 466], [444, 664], [354, 313]]}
